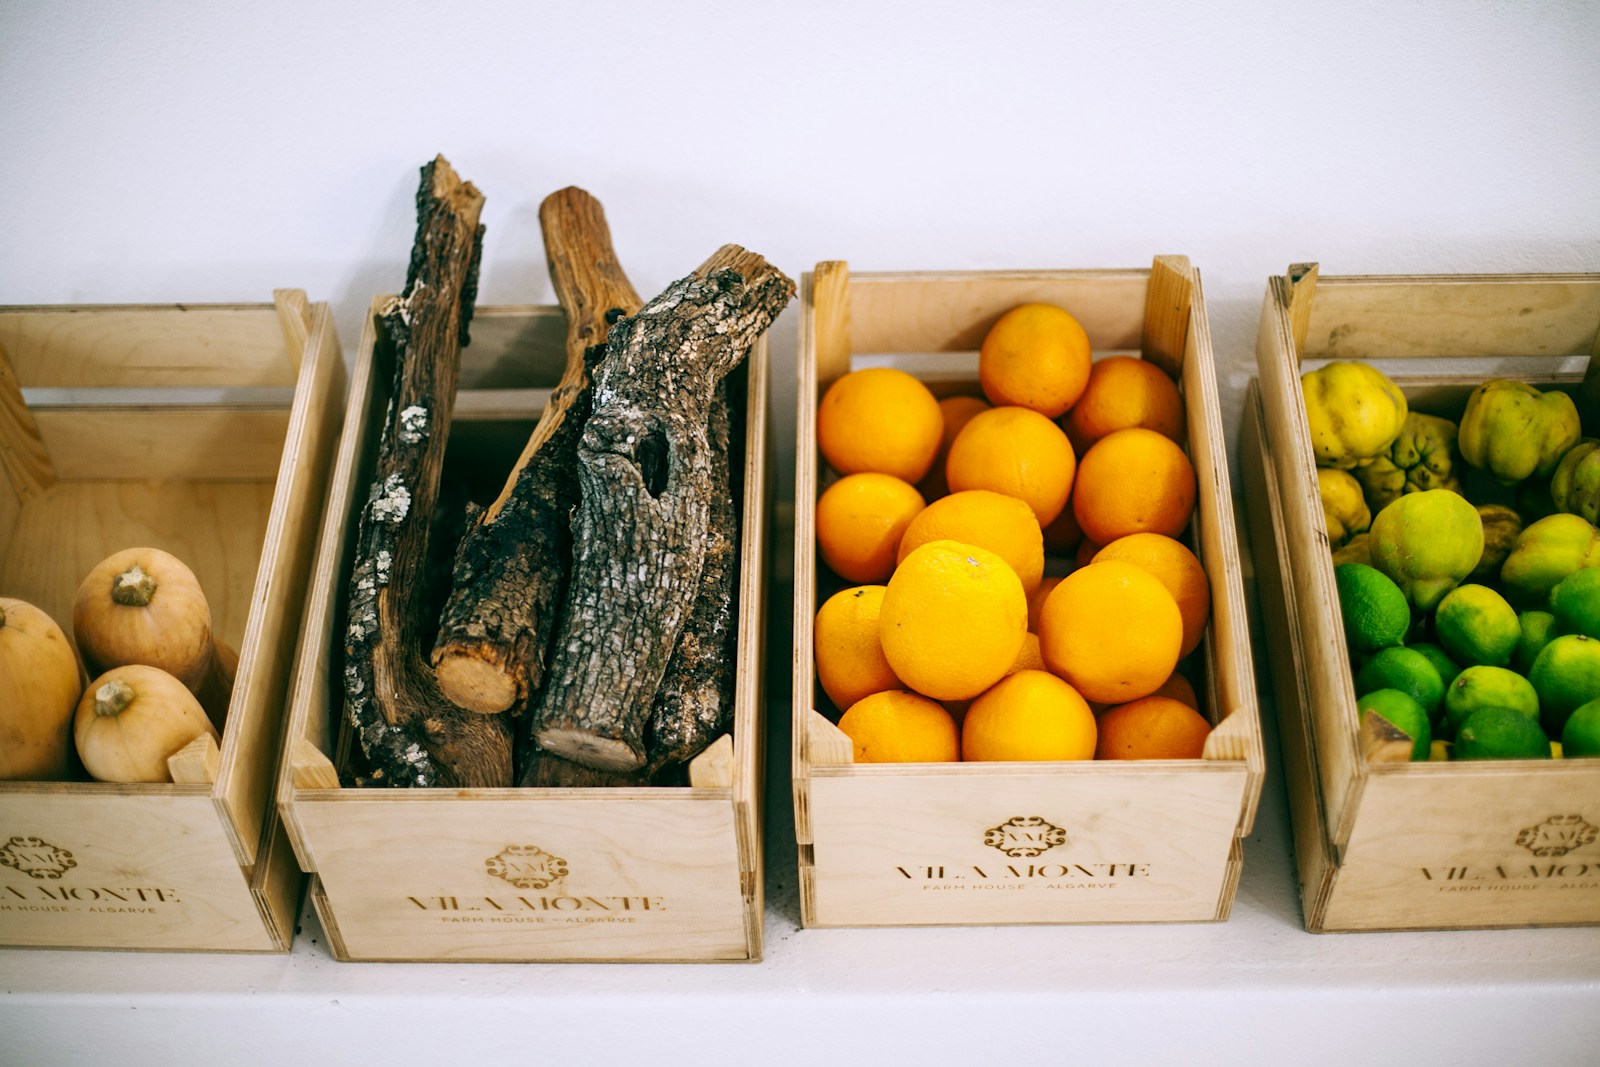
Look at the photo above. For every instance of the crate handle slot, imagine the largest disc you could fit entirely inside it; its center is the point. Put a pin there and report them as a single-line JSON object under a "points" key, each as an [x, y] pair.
{"points": [[1166, 313], [294, 317], [196, 763], [22, 452], [1302, 286]]}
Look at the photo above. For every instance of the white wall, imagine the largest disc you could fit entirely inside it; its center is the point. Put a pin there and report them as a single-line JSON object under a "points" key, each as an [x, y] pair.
{"points": [[165, 151]]}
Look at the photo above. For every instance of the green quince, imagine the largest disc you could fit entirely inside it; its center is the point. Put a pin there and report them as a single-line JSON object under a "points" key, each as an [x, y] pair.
{"points": [[1422, 457], [1355, 412], [1343, 506], [1575, 486], [1546, 552], [1427, 543], [1356, 550], [1516, 432]]}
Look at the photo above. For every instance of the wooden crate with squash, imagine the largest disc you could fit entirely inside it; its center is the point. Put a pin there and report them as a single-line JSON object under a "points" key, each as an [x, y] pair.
{"points": [[1015, 841], [1384, 843], [206, 432]]}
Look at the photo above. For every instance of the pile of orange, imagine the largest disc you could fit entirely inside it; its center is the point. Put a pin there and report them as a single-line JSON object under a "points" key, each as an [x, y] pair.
{"points": [[1017, 587]]}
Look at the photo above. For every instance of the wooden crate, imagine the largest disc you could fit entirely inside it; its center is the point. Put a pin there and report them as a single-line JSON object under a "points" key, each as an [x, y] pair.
{"points": [[920, 844], [1389, 846], [580, 874], [207, 431]]}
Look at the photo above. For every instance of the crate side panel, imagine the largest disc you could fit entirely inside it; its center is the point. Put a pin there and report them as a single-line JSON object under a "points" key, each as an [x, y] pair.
{"points": [[578, 876], [215, 527], [146, 347], [158, 443], [1508, 845], [1467, 315], [1147, 845], [117, 870], [952, 312]]}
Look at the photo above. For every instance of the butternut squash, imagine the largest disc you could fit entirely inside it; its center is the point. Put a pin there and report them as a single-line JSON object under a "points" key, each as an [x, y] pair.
{"points": [[39, 685], [131, 719], [144, 605]]}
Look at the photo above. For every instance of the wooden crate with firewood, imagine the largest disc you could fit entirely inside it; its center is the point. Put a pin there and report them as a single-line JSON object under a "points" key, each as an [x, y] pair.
{"points": [[206, 432], [565, 675]]}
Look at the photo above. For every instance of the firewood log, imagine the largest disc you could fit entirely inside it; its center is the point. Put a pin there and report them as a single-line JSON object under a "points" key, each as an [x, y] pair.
{"points": [[639, 532], [411, 734], [511, 567]]}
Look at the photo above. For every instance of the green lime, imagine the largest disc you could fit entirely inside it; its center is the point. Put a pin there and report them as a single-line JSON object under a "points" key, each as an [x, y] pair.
{"points": [[1538, 629], [1565, 675], [1581, 736], [1476, 625], [1500, 733], [1401, 712], [1374, 609], [1406, 670], [1447, 667], [1575, 602], [1488, 687]]}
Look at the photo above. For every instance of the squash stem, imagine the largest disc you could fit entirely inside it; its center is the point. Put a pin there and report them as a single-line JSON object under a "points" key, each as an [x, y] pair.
{"points": [[110, 699], [133, 587]]}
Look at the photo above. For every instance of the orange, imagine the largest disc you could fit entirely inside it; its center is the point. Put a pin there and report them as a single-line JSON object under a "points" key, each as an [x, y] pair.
{"points": [[1017, 452], [1029, 658], [850, 662], [1179, 688], [1125, 391], [860, 521], [1037, 357], [1063, 534], [879, 419], [1036, 601], [901, 727], [1133, 481], [1085, 553], [957, 412], [953, 620], [1112, 630], [1030, 715], [1152, 728], [1175, 567], [1002, 524]]}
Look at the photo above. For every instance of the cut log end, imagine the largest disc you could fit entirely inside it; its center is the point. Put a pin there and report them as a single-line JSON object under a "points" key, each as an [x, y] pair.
{"points": [[477, 681], [591, 750]]}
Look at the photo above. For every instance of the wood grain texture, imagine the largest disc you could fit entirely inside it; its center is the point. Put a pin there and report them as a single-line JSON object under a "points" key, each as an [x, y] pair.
{"points": [[842, 858], [23, 456], [1165, 332], [195, 763]]}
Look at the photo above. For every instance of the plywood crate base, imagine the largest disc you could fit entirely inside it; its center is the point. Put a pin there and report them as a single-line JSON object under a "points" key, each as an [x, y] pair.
{"points": [[207, 431], [997, 843], [576, 874], [1386, 846]]}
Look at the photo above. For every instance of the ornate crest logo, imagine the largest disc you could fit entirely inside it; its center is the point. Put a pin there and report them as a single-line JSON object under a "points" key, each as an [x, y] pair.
{"points": [[1024, 836], [1557, 835], [36, 857], [527, 866]]}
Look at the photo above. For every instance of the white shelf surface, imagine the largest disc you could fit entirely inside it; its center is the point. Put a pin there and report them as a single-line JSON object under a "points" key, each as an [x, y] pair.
{"points": [[1256, 988]]}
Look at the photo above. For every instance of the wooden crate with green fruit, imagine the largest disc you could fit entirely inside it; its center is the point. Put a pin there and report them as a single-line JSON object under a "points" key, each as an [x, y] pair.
{"points": [[1423, 486]]}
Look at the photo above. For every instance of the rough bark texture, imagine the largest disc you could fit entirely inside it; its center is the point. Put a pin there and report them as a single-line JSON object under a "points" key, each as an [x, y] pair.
{"points": [[510, 569], [639, 533], [409, 732], [694, 705]]}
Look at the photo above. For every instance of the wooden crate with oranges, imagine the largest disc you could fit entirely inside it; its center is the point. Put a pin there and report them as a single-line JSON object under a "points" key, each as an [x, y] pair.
{"points": [[1023, 689]]}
